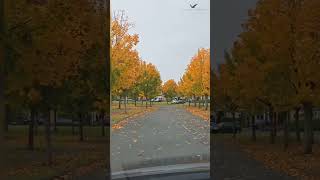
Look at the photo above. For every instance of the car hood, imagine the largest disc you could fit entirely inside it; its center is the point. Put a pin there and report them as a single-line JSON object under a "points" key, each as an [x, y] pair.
{"points": [[161, 170]]}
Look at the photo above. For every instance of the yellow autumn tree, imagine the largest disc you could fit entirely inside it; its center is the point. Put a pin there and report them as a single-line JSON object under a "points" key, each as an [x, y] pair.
{"points": [[53, 41], [169, 89], [149, 81], [196, 79], [124, 58], [278, 68]]}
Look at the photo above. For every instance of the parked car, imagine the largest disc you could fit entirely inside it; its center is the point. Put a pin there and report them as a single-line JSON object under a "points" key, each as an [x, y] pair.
{"points": [[157, 100], [181, 101], [225, 127], [213, 128], [177, 101], [39, 121], [174, 101]]}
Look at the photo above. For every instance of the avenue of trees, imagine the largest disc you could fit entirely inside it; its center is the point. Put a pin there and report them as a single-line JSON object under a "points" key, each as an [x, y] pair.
{"points": [[130, 76], [195, 82], [53, 58], [274, 67], [194, 85]]}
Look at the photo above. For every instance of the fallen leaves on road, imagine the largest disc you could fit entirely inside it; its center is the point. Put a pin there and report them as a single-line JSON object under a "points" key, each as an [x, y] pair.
{"points": [[126, 120], [204, 114]]}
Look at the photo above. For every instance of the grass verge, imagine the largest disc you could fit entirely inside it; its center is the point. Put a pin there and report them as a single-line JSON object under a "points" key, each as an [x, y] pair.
{"points": [[120, 117], [69, 154]]}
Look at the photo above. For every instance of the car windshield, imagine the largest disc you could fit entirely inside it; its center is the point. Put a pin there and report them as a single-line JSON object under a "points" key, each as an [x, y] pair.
{"points": [[159, 127]]}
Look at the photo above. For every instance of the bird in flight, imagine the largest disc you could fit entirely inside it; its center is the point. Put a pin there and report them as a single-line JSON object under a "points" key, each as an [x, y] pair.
{"points": [[193, 6]]}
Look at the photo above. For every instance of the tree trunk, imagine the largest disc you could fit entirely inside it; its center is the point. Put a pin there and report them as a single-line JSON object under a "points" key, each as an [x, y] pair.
{"points": [[307, 135], [273, 129], [276, 125], [265, 117], [72, 124], [199, 102], [218, 117], [48, 138], [102, 119], [271, 119], [206, 103], [297, 126], [195, 102], [146, 103], [286, 119], [189, 102], [55, 120], [253, 126], [31, 130], [7, 118], [203, 101], [2, 103], [234, 125], [249, 119], [36, 123], [312, 135], [80, 127], [125, 104], [135, 102], [120, 102], [241, 121]]}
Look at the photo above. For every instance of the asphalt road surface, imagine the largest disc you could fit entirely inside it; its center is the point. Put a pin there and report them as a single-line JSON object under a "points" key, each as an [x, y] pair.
{"points": [[167, 136]]}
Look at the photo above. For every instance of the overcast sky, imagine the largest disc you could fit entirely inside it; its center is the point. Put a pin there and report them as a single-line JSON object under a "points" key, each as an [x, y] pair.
{"points": [[227, 17], [170, 31]]}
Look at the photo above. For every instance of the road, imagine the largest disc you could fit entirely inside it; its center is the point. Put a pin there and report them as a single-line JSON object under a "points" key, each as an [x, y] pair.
{"points": [[163, 137], [171, 135]]}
